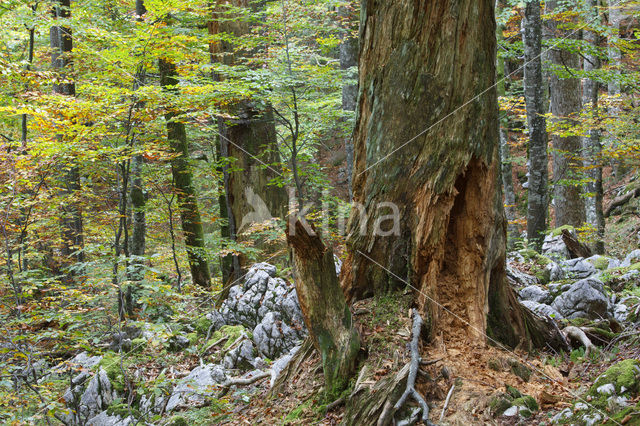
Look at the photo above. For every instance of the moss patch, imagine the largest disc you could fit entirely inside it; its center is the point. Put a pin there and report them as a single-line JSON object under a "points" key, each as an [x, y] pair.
{"points": [[623, 374], [233, 332]]}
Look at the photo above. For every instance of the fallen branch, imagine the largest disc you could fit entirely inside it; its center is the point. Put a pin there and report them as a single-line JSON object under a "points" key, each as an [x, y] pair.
{"points": [[621, 200], [578, 335], [242, 382], [446, 401], [336, 403], [414, 366]]}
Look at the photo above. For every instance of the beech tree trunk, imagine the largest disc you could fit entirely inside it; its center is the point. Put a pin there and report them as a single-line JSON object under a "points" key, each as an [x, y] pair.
{"points": [[507, 185], [136, 194], [427, 154], [537, 190], [348, 60], [615, 62], [182, 180], [324, 307], [249, 139], [591, 144], [565, 105], [61, 62]]}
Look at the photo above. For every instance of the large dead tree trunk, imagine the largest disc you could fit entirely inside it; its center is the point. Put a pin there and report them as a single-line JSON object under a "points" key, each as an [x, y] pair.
{"points": [[248, 139], [323, 304], [426, 153]]}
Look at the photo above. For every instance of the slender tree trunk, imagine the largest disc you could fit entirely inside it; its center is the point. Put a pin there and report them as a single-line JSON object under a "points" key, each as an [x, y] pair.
{"points": [[567, 162], [537, 203], [61, 48], [324, 308], [434, 211], [136, 194], [249, 140], [183, 177], [348, 60], [615, 62], [509, 192], [591, 144]]}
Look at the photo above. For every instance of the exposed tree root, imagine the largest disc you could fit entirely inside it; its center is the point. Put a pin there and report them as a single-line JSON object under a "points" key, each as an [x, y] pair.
{"points": [[576, 334], [414, 366], [242, 382]]}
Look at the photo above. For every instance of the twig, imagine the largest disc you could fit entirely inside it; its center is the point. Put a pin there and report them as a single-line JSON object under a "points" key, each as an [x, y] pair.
{"points": [[446, 401], [242, 382]]}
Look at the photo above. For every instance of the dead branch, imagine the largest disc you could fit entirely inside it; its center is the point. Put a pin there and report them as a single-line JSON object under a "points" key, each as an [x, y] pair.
{"points": [[621, 200], [446, 401], [576, 334], [242, 382], [575, 247]]}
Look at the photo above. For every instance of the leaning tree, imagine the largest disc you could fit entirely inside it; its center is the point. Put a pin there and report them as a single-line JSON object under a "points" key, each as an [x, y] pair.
{"points": [[426, 145]]}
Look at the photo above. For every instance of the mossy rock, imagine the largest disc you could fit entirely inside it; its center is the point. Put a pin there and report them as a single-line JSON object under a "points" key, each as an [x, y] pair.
{"points": [[520, 370], [232, 331], [513, 393], [558, 231], [531, 255], [600, 263], [202, 326], [526, 401], [499, 404], [178, 421], [622, 374], [139, 344], [628, 415], [110, 362]]}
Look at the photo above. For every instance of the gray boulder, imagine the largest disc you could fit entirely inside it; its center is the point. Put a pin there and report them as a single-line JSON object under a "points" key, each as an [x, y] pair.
{"points": [[579, 268], [535, 293], [541, 309], [273, 336], [554, 247], [280, 364], [192, 390], [241, 357], [104, 419], [520, 279], [555, 271], [584, 299], [631, 258], [97, 396]]}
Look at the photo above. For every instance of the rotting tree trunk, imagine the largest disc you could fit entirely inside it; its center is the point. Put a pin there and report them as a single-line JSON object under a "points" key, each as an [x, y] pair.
{"points": [[324, 307], [182, 178], [538, 167], [565, 105], [61, 61], [592, 145], [426, 144], [249, 140]]}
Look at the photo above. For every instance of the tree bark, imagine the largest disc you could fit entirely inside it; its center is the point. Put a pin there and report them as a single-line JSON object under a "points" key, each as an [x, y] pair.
{"points": [[565, 105], [61, 62], [348, 60], [324, 307], [591, 144], [182, 177], [431, 65], [249, 139], [509, 192], [615, 62], [537, 202]]}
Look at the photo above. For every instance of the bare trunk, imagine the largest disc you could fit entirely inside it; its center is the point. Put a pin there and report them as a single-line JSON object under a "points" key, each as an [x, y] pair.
{"points": [[61, 48], [324, 308], [349, 60], [534, 97], [591, 144], [509, 192], [249, 138], [615, 62], [565, 105], [182, 178], [427, 97]]}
